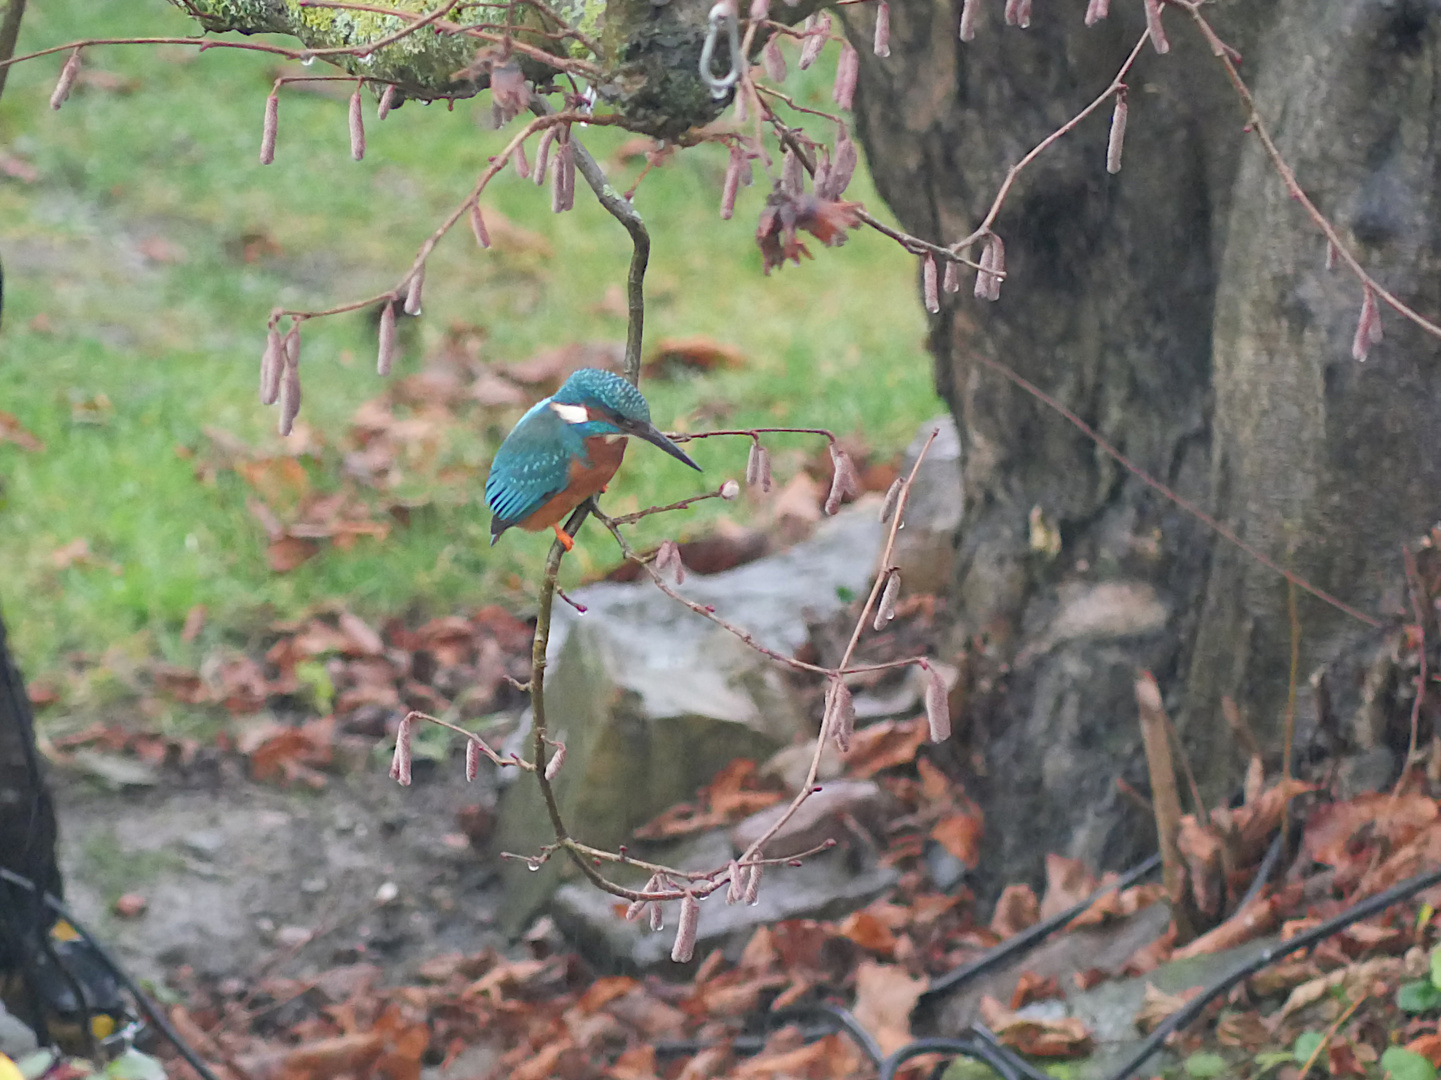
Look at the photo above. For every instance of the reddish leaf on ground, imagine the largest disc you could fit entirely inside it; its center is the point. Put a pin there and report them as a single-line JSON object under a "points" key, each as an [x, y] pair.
{"points": [[1016, 910], [960, 834], [1066, 1037], [886, 745], [1157, 1005], [1350, 836], [1068, 882], [12, 431], [1032, 987], [695, 353]]}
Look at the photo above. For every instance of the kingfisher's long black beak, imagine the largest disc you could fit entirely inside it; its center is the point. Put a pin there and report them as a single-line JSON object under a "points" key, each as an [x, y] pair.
{"points": [[651, 434]]}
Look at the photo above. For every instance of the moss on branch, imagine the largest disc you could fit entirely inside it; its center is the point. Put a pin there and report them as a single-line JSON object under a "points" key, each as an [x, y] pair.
{"points": [[650, 51]]}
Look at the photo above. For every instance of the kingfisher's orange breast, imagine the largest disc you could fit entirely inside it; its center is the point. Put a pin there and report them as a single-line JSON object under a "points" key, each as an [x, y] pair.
{"points": [[586, 479]]}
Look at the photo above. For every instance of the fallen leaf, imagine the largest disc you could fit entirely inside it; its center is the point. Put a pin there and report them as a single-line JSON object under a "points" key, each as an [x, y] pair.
{"points": [[17, 168], [284, 553], [887, 745], [12, 431], [696, 353], [870, 933], [960, 834], [1157, 1005], [1032, 987], [1066, 1037], [1068, 882], [1350, 835], [885, 996], [1428, 1046], [159, 249], [1422, 853], [1261, 916], [194, 623], [279, 481], [1016, 910]]}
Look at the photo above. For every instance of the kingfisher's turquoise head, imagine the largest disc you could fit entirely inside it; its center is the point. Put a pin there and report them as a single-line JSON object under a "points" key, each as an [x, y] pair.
{"points": [[594, 402]]}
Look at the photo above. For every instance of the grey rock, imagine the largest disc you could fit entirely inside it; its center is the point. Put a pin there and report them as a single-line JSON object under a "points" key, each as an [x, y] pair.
{"points": [[1099, 612], [116, 772], [1108, 1010], [1369, 770], [16, 1038], [652, 700], [792, 764], [821, 817], [825, 886], [925, 548]]}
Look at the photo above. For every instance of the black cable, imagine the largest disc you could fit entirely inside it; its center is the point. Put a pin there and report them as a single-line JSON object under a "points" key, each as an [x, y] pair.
{"points": [[152, 1011], [839, 1019], [1028, 938], [1005, 1063], [1265, 870], [1193, 1008]]}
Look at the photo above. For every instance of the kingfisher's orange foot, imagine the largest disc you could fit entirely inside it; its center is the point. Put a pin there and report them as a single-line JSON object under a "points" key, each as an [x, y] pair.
{"points": [[564, 537]]}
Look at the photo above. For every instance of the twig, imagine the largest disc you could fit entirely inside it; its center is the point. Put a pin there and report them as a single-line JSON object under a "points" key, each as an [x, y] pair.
{"points": [[1289, 720], [861, 621], [9, 35], [705, 611], [1328, 1035], [507, 37], [1165, 800], [1150, 481], [683, 504], [1045, 144], [751, 433], [417, 22], [496, 164], [472, 737], [1414, 587], [1257, 126]]}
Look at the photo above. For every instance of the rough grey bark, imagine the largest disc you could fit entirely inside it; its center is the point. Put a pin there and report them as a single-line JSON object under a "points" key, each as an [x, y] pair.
{"points": [[1181, 308]]}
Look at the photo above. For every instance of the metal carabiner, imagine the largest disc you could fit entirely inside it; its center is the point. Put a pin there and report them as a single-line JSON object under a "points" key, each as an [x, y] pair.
{"points": [[723, 14]]}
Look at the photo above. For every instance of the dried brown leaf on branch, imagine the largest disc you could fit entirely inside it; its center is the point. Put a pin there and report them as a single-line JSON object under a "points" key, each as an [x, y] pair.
{"points": [[785, 213]]}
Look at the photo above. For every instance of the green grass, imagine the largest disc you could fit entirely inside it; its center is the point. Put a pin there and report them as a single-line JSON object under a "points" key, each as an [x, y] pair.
{"points": [[173, 346]]}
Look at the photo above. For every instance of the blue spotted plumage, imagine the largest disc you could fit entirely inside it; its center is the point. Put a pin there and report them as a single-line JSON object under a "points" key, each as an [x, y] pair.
{"points": [[565, 449]]}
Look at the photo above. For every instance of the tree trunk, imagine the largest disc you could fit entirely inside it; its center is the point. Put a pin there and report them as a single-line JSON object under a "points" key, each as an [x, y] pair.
{"points": [[1181, 308], [27, 818]]}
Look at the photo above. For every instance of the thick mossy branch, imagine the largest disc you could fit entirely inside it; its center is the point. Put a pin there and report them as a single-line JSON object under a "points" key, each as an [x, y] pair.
{"points": [[422, 64], [651, 52]]}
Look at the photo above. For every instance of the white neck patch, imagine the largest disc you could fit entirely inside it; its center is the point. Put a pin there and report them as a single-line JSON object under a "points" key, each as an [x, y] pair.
{"points": [[571, 414]]}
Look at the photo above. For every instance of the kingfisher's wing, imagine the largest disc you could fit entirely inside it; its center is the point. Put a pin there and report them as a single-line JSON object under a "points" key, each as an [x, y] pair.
{"points": [[531, 467]]}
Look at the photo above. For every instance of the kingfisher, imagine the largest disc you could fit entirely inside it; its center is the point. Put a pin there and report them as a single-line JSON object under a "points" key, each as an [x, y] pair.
{"points": [[565, 449]]}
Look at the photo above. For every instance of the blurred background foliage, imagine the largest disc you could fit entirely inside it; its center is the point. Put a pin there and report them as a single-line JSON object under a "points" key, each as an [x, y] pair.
{"points": [[144, 247]]}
